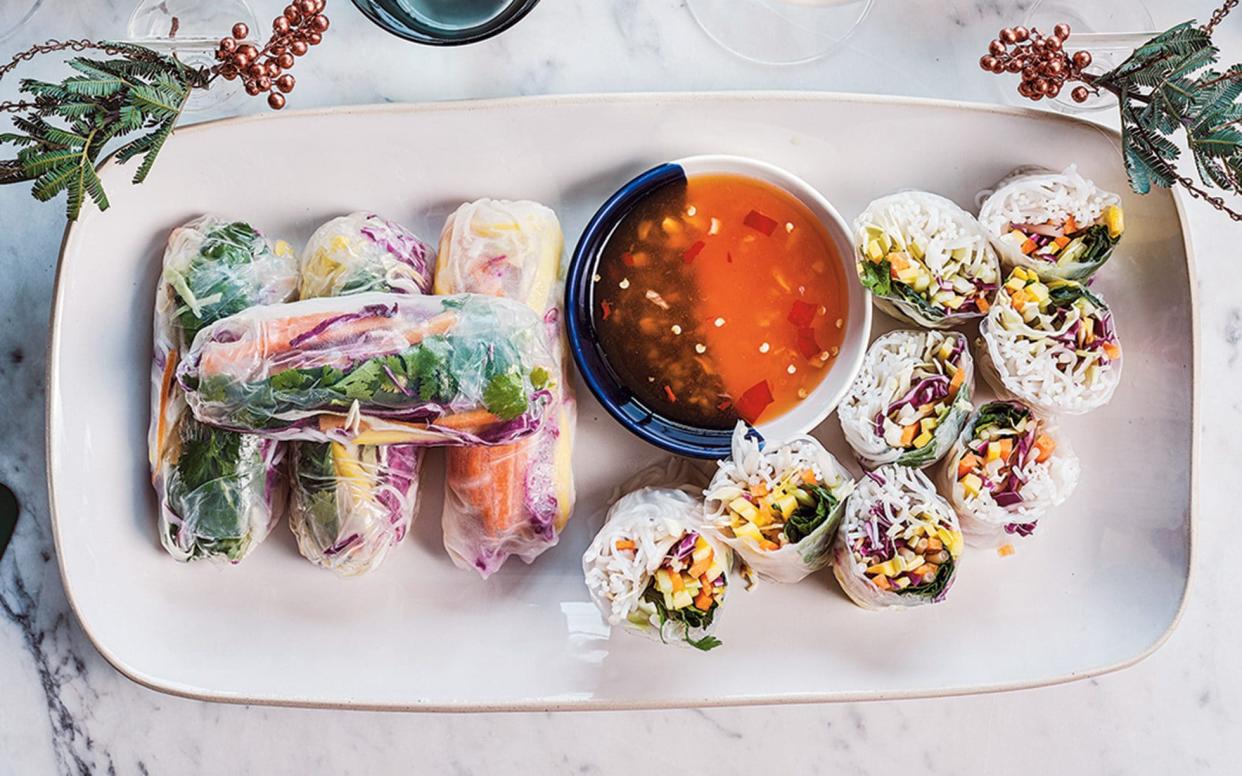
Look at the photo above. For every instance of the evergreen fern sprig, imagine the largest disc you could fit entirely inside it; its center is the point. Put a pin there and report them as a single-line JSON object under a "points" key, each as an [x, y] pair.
{"points": [[63, 128]]}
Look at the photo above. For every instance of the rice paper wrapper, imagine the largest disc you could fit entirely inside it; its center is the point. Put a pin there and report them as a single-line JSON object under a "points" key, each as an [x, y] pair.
{"points": [[510, 249], [1040, 485], [656, 520], [904, 371], [925, 259], [1039, 196], [376, 369], [513, 499], [363, 252], [1039, 364], [787, 463], [885, 505], [510, 499], [219, 492], [351, 504]]}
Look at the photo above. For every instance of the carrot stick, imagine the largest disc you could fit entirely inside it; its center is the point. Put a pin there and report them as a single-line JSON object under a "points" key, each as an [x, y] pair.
{"points": [[161, 428], [276, 336], [469, 421]]}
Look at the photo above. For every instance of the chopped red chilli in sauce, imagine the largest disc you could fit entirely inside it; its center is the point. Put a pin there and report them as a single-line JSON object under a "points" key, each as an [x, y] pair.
{"points": [[760, 223], [717, 299], [802, 314], [755, 401]]}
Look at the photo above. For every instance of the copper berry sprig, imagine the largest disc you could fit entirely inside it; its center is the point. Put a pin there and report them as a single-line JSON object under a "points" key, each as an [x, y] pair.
{"points": [[301, 26], [1042, 61], [1169, 93]]}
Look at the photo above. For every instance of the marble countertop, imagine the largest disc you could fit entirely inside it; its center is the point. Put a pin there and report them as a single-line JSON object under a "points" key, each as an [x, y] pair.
{"points": [[64, 709]]}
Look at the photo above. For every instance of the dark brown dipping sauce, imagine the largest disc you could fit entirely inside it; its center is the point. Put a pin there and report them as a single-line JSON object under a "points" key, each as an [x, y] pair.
{"points": [[720, 298]]}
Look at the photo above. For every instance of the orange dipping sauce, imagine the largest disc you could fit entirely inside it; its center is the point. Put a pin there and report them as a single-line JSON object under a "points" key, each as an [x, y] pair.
{"points": [[718, 299]]}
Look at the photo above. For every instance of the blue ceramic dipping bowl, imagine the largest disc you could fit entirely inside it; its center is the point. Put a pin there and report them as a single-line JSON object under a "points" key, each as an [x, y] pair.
{"points": [[671, 435], [390, 16]]}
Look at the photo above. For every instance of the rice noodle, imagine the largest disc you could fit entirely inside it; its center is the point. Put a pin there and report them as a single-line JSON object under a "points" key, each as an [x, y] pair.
{"points": [[1040, 196], [750, 466], [953, 266], [888, 505], [1041, 486], [1030, 360], [895, 364]]}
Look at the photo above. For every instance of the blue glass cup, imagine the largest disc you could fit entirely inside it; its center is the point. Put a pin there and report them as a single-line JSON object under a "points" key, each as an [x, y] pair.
{"points": [[445, 22]]}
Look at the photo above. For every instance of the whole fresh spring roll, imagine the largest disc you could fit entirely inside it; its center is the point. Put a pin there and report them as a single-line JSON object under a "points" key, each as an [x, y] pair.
{"points": [[778, 508], [220, 492], [1008, 468], [653, 570], [1051, 345], [353, 503], [509, 499], [375, 369], [926, 260], [910, 399], [362, 252], [899, 543], [1059, 224]]}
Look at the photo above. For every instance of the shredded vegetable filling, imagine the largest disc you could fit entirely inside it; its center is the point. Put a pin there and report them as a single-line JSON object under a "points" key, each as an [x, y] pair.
{"points": [[1006, 439], [1068, 241], [910, 422], [924, 251], [784, 514], [918, 558], [1072, 319], [687, 587]]}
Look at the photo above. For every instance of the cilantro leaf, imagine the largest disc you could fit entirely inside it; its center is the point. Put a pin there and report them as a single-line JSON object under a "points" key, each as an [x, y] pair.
{"points": [[505, 395], [877, 276], [290, 379], [363, 382], [689, 617]]}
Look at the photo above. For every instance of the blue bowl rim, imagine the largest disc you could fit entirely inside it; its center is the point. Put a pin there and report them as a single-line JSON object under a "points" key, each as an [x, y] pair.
{"points": [[511, 15], [664, 433]]}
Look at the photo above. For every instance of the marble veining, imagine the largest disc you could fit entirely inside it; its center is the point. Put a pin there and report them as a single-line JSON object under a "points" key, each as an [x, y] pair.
{"points": [[63, 709]]}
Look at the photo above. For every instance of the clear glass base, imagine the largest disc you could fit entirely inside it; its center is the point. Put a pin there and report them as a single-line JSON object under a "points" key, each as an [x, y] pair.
{"points": [[200, 26], [14, 14], [1109, 29], [779, 32]]}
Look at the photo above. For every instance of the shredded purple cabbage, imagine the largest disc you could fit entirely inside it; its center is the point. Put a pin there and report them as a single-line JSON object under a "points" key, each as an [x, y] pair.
{"points": [[928, 390], [370, 311], [1021, 529], [403, 246]]}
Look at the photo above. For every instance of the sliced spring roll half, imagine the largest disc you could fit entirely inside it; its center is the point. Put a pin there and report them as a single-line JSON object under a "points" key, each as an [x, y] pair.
{"points": [[899, 543], [509, 499], [910, 399], [375, 369], [926, 260], [362, 252], [778, 508], [220, 492], [1059, 224], [1052, 345], [352, 503], [653, 570], [1008, 468]]}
